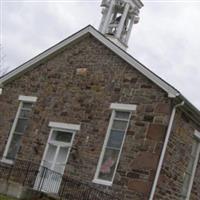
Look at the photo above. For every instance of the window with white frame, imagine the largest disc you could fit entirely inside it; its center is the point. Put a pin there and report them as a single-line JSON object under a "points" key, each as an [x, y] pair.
{"points": [[58, 146], [191, 169], [113, 143], [55, 156], [18, 128]]}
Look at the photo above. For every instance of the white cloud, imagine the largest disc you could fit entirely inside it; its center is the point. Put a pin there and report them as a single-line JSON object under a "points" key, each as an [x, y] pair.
{"points": [[166, 40]]}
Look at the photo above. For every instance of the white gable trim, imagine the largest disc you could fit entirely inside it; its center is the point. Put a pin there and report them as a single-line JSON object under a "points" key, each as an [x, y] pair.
{"points": [[36, 60], [89, 29], [149, 74]]}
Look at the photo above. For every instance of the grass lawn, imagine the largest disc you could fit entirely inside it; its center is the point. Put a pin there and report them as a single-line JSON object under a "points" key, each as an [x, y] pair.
{"points": [[6, 198]]}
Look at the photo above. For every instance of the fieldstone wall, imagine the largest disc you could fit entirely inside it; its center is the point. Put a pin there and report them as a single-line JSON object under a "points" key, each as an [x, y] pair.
{"points": [[176, 161], [77, 86]]}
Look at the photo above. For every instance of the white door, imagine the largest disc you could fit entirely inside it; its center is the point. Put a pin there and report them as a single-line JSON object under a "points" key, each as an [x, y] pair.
{"points": [[54, 160]]}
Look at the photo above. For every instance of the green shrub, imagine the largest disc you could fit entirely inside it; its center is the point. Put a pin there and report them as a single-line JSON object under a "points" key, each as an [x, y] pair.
{"points": [[6, 198]]}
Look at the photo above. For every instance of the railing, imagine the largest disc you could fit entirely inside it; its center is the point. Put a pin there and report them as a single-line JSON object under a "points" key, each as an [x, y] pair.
{"points": [[43, 179]]}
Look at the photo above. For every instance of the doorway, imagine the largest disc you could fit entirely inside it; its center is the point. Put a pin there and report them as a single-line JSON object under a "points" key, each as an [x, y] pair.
{"points": [[54, 160]]}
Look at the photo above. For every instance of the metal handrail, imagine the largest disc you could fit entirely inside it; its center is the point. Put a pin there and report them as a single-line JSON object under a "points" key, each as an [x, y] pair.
{"points": [[43, 179]]}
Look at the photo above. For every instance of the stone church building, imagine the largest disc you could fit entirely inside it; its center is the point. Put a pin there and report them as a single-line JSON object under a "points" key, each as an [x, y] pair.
{"points": [[88, 110]]}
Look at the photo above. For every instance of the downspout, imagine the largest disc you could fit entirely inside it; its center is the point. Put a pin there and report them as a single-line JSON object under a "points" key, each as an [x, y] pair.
{"points": [[1, 89], [164, 150]]}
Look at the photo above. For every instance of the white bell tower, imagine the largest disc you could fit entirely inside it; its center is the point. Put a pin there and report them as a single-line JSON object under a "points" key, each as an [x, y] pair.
{"points": [[118, 19]]}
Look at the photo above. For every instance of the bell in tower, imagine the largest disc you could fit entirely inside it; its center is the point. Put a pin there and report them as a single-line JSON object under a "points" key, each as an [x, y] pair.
{"points": [[118, 19]]}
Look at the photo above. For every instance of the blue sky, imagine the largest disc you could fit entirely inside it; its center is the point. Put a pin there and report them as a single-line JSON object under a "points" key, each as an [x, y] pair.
{"points": [[166, 40]]}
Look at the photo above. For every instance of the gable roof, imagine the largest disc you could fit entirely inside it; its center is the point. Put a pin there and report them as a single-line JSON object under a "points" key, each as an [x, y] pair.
{"points": [[39, 59], [90, 30]]}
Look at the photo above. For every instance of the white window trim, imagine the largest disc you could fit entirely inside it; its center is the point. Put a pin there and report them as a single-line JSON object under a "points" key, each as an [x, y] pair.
{"points": [[197, 138], [123, 107], [65, 126], [27, 98], [115, 107], [58, 144], [7, 161], [56, 126], [102, 182], [197, 135], [52, 142], [21, 99]]}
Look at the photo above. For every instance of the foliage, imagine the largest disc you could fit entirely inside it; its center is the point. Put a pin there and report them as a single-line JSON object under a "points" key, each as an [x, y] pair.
{"points": [[6, 198]]}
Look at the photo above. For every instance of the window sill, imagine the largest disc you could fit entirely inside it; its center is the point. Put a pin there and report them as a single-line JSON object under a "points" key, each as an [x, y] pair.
{"points": [[102, 182], [4, 160]]}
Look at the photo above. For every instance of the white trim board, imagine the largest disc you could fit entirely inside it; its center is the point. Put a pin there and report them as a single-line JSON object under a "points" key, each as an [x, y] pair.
{"points": [[65, 126], [4, 160], [124, 107], [172, 92], [27, 98], [197, 135]]}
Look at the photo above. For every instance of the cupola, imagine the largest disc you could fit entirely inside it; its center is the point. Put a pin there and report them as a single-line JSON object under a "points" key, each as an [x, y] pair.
{"points": [[119, 17]]}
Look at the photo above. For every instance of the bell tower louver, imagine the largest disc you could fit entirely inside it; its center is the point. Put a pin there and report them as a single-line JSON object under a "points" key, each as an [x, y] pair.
{"points": [[118, 19]]}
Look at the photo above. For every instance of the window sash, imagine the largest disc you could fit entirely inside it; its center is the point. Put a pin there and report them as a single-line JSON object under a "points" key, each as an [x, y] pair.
{"points": [[13, 133], [191, 170], [97, 178], [54, 163]]}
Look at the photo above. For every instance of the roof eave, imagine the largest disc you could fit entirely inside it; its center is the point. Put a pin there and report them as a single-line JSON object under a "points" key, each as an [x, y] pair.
{"points": [[189, 109], [42, 57]]}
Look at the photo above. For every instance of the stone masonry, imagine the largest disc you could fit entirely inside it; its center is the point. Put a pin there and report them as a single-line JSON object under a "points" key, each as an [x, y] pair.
{"points": [[177, 160], [77, 86]]}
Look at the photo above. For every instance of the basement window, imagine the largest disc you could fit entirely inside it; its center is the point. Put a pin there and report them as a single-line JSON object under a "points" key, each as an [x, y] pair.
{"points": [[18, 128], [191, 169], [113, 143]]}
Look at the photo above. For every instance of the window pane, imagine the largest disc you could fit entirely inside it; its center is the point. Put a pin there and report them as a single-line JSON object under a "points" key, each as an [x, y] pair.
{"points": [[24, 114], [21, 125], [51, 151], [62, 136], [27, 105], [190, 169], [122, 115], [186, 183], [115, 139], [108, 164], [14, 147], [47, 164], [194, 149], [119, 125], [62, 155], [190, 166], [59, 168]]}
